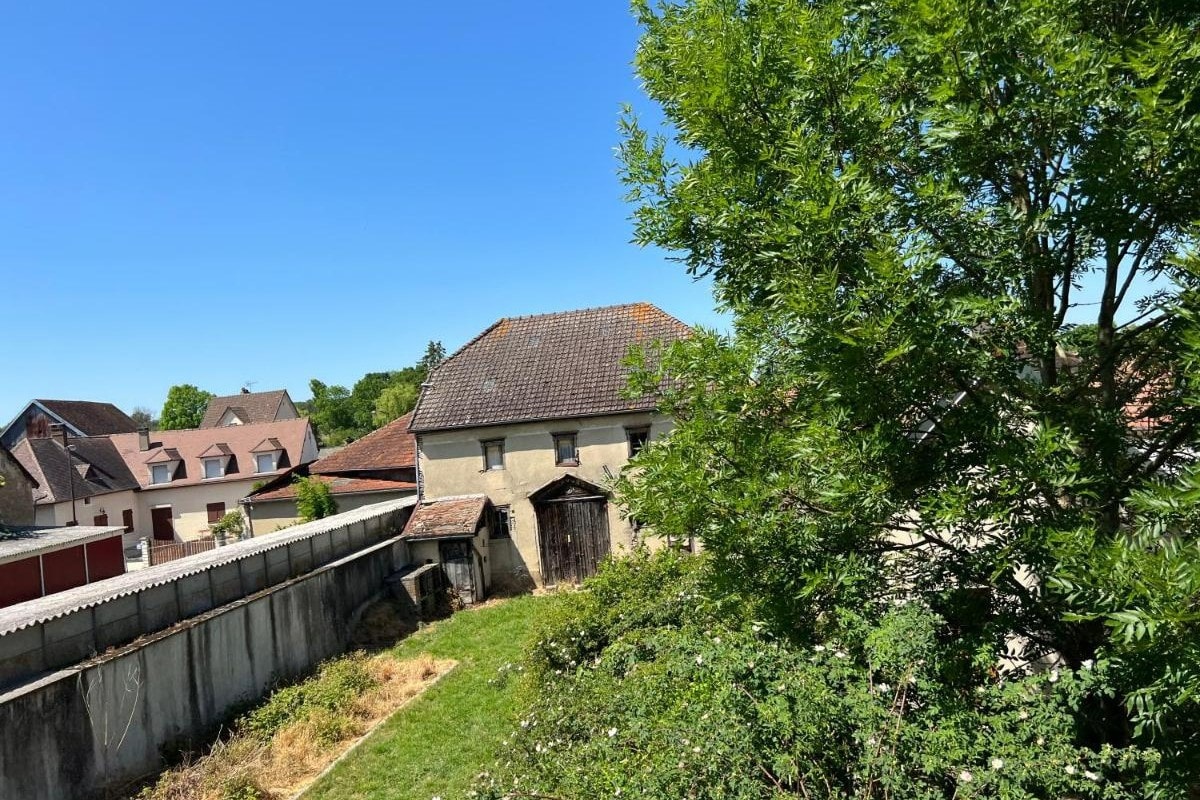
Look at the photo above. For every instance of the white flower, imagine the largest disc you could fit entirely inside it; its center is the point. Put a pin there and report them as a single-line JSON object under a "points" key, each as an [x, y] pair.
{"points": [[840, 654], [1023, 714], [695, 749], [997, 763], [1070, 770], [1041, 740], [1054, 676], [1088, 663], [1091, 776], [819, 648], [699, 659], [965, 777], [612, 732]]}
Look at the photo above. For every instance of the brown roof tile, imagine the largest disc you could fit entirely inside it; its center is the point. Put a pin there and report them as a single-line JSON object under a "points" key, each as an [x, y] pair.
{"points": [[251, 407], [103, 469], [93, 419], [450, 516], [549, 366], [190, 444], [390, 447], [338, 485]]}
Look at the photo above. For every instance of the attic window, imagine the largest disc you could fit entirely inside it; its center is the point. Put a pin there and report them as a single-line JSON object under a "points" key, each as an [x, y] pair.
{"points": [[637, 439], [264, 462], [160, 473], [493, 454], [214, 468]]}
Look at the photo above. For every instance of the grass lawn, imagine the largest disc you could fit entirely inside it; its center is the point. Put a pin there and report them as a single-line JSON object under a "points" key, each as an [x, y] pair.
{"points": [[438, 744]]}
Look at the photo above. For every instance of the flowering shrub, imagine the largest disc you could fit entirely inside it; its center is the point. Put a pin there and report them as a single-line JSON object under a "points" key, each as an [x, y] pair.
{"points": [[643, 685]]}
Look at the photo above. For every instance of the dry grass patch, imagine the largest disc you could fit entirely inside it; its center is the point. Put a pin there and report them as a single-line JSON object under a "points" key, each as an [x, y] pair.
{"points": [[279, 748]]}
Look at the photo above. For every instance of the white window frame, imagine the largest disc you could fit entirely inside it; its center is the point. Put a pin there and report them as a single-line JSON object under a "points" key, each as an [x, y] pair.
{"points": [[167, 472], [220, 462], [487, 444], [274, 456]]}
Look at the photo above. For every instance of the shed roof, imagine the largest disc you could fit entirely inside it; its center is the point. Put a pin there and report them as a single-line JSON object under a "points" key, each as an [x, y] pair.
{"points": [[390, 447], [548, 366], [338, 485], [91, 418], [447, 517], [58, 473], [27, 541]]}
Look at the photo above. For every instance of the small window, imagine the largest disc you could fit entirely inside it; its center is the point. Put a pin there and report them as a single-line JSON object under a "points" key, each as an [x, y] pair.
{"points": [[501, 523], [215, 512], [213, 468], [160, 473], [637, 439], [565, 452], [87, 501], [493, 454], [264, 462], [127, 518]]}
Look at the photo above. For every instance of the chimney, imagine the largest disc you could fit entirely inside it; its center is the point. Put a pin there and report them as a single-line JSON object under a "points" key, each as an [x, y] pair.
{"points": [[245, 390], [143, 439], [59, 431]]}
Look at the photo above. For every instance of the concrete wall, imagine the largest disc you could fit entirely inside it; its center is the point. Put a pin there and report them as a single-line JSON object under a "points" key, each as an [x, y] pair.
{"points": [[452, 464], [16, 492], [65, 628], [92, 729]]}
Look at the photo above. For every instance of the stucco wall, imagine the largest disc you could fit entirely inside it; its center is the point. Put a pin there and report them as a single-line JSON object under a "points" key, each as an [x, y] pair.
{"points": [[112, 504], [272, 515], [189, 505], [16, 495], [90, 729], [452, 464]]}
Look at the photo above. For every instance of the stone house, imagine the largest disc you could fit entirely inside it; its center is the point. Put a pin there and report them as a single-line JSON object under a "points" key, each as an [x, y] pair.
{"points": [[533, 415]]}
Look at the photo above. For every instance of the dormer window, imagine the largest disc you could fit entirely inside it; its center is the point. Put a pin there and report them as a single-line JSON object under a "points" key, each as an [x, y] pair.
{"points": [[160, 473], [163, 465], [268, 455], [217, 461]]}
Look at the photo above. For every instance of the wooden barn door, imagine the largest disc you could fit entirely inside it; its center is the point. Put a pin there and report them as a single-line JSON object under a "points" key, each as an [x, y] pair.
{"points": [[457, 560], [574, 538]]}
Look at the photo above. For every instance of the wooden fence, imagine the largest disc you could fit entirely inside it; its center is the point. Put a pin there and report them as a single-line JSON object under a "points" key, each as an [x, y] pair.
{"points": [[162, 553]]}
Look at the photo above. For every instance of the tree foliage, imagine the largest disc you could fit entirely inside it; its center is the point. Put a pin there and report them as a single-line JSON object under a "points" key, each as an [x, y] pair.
{"points": [[341, 415], [910, 208], [314, 499], [184, 408]]}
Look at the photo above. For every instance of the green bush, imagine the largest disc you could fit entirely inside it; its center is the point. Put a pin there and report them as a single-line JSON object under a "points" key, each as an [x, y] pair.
{"points": [[642, 685], [324, 698]]}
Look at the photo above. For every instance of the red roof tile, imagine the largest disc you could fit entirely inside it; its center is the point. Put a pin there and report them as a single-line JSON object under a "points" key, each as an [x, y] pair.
{"points": [[390, 447], [339, 486], [450, 516]]}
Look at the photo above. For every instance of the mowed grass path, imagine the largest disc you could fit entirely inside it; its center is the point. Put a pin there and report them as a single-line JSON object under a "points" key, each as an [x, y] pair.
{"points": [[437, 744]]}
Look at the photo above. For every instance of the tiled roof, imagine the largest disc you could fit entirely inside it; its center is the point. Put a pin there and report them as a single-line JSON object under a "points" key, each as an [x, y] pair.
{"points": [[449, 516], [549, 366], [93, 419], [338, 485], [268, 445], [250, 407], [188, 445], [390, 447], [47, 462]]}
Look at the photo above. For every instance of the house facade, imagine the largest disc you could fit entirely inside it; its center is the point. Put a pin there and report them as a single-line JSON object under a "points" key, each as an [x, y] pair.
{"points": [[533, 414], [380, 466], [249, 408], [165, 485]]}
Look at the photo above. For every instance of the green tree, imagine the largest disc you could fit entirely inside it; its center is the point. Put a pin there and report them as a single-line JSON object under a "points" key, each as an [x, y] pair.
{"points": [[907, 206], [314, 500], [144, 417], [184, 407], [395, 401], [331, 413], [435, 354]]}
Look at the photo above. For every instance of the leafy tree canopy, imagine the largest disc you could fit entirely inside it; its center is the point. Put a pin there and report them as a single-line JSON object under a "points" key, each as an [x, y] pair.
{"points": [[184, 407], [314, 500], [913, 210]]}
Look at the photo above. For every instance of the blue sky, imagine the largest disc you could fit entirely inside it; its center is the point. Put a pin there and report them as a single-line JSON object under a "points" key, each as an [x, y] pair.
{"points": [[220, 192]]}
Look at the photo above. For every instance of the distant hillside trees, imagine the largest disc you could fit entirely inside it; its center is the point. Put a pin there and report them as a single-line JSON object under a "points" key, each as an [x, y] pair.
{"points": [[342, 415]]}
